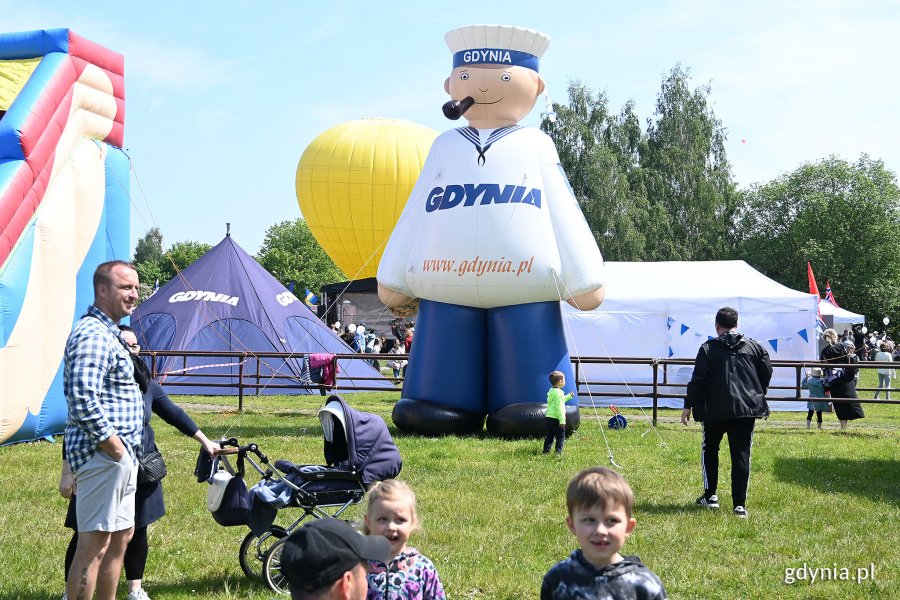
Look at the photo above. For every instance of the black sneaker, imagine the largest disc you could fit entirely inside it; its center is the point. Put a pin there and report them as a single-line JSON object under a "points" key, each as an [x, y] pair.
{"points": [[741, 512], [711, 502]]}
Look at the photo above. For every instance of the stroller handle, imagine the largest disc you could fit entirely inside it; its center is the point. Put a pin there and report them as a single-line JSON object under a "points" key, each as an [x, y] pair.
{"points": [[242, 451]]}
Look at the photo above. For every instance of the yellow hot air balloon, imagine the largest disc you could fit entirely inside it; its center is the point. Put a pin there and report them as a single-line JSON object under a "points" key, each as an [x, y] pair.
{"points": [[352, 184]]}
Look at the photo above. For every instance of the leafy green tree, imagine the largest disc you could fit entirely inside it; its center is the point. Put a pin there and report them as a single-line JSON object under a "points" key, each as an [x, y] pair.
{"points": [[148, 261], [842, 217], [686, 174], [149, 248], [155, 264], [598, 151], [180, 256], [290, 253], [666, 194]]}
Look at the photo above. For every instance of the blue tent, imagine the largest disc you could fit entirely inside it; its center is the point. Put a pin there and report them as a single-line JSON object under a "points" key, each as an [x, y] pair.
{"points": [[226, 301]]}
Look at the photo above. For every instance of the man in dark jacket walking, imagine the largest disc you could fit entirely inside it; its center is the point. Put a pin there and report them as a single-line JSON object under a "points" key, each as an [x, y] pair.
{"points": [[727, 393]]}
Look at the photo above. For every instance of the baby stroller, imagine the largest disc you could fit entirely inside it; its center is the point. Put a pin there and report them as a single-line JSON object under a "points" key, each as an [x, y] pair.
{"points": [[359, 451]]}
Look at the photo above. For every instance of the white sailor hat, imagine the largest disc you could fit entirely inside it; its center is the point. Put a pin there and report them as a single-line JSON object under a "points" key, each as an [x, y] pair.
{"points": [[496, 44]]}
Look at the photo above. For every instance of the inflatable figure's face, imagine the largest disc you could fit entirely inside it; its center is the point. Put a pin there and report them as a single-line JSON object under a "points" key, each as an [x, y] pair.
{"points": [[503, 95]]}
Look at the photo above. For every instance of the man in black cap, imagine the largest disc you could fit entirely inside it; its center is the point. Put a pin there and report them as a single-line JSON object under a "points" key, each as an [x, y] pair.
{"points": [[328, 559]]}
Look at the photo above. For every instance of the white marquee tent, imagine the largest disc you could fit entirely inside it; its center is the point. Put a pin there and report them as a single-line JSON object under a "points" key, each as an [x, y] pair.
{"points": [[839, 315], [667, 309]]}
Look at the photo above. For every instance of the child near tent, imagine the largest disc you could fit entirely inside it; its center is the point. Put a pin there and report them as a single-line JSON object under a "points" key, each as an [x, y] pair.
{"points": [[397, 364], [374, 343], [555, 419], [814, 381], [408, 574], [407, 342]]}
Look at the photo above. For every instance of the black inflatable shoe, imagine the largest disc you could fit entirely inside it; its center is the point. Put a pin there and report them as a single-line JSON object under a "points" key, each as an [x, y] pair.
{"points": [[426, 418], [526, 420]]}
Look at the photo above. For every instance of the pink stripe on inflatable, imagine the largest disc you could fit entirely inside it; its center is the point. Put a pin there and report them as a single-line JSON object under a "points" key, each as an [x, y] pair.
{"points": [[45, 107], [49, 138], [96, 54], [29, 205], [116, 135], [10, 201], [85, 51]]}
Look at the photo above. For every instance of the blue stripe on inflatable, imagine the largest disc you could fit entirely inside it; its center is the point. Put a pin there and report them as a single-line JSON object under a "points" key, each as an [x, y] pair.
{"points": [[525, 343], [26, 432], [31, 44], [51, 419], [14, 119], [118, 204], [448, 362], [107, 229], [14, 282], [8, 168]]}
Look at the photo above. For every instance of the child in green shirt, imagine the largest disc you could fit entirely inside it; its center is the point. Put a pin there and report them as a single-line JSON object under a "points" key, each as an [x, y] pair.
{"points": [[555, 421]]}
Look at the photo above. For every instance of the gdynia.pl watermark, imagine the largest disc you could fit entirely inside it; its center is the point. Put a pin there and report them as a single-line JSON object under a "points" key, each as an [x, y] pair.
{"points": [[832, 573]]}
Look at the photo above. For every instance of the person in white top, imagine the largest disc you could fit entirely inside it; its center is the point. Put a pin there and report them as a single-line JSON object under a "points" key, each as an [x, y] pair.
{"points": [[885, 374], [490, 241]]}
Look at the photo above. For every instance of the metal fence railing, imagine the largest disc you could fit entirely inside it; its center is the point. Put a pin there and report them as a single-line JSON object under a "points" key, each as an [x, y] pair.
{"points": [[660, 379], [253, 375]]}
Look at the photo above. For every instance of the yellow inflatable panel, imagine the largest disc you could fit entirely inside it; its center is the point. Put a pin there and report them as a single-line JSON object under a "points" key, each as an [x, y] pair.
{"points": [[352, 184], [13, 75]]}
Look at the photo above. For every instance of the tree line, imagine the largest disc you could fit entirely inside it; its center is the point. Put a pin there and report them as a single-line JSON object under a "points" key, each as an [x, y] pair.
{"points": [[664, 191]]}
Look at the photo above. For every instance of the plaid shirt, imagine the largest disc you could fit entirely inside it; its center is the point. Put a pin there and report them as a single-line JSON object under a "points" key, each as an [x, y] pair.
{"points": [[104, 399]]}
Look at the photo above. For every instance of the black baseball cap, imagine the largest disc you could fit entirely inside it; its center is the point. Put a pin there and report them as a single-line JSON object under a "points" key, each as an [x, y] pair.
{"points": [[320, 552]]}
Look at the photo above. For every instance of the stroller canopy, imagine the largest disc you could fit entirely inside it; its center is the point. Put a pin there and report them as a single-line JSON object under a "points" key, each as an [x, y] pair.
{"points": [[369, 447]]}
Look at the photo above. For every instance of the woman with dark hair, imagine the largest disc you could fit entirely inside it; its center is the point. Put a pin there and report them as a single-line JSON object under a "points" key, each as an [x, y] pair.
{"points": [[841, 381], [148, 502]]}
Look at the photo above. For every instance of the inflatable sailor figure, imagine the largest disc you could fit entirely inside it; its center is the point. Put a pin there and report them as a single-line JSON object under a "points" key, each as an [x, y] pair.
{"points": [[489, 243]]}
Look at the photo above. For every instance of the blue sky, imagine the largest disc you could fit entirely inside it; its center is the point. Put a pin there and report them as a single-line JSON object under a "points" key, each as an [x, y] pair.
{"points": [[223, 97]]}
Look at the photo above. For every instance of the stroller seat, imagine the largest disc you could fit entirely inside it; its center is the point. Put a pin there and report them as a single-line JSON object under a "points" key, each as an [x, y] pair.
{"points": [[322, 485]]}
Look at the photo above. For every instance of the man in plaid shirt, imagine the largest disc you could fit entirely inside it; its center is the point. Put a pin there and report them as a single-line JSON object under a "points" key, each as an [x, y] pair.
{"points": [[103, 432]]}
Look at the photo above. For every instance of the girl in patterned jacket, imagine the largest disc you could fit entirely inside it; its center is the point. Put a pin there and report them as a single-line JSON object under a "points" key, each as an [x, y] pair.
{"points": [[408, 575]]}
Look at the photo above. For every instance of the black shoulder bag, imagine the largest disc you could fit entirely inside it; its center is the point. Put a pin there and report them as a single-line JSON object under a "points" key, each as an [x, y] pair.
{"points": [[151, 467]]}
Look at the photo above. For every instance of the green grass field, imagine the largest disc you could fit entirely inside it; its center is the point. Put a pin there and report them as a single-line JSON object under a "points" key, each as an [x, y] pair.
{"points": [[493, 510]]}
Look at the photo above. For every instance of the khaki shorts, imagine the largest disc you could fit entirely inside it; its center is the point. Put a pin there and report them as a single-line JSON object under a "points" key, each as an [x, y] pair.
{"points": [[106, 493]]}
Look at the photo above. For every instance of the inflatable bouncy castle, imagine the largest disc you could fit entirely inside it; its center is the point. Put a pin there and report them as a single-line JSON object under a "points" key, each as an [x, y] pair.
{"points": [[64, 209]]}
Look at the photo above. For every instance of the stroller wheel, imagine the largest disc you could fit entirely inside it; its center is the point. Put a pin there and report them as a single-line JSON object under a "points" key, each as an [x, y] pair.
{"points": [[254, 548], [272, 569]]}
